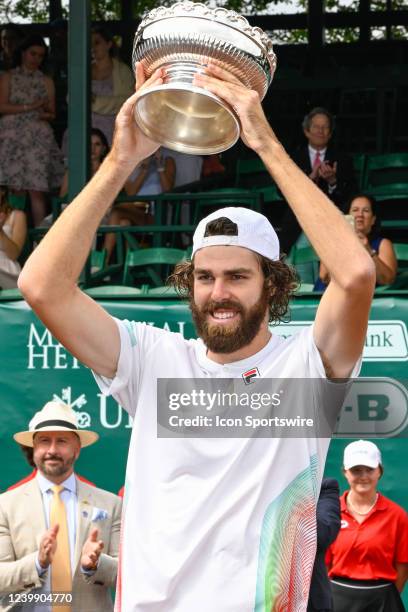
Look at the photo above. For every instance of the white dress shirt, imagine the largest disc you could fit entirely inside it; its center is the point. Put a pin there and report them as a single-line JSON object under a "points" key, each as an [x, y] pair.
{"points": [[70, 499], [312, 154], [322, 153]]}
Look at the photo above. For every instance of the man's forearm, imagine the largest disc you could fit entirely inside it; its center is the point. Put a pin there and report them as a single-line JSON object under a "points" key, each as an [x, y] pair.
{"points": [[19, 575], [331, 236], [56, 263]]}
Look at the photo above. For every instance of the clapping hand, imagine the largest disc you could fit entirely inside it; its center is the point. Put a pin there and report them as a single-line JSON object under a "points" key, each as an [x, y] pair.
{"points": [[91, 551], [327, 172], [48, 546]]}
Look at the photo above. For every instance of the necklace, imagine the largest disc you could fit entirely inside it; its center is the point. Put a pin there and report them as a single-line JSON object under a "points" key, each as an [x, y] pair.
{"points": [[357, 511]]}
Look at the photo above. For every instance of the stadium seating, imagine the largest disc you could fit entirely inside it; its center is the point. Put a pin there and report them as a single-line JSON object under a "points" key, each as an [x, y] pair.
{"points": [[386, 176], [153, 265], [306, 262]]}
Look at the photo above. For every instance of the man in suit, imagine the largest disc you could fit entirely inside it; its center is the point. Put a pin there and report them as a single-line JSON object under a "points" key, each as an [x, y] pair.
{"points": [[54, 527], [328, 526], [331, 170]]}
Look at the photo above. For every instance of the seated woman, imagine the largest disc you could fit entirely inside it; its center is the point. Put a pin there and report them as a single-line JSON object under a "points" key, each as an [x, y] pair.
{"points": [[154, 175], [364, 211], [99, 150], [13, 233]]}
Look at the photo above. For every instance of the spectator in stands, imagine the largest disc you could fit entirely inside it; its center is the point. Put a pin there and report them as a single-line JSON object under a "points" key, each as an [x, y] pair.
{"points": [[212, 165], [55, 526], [331, 170], [363, 211], [188, 170], [10, 36], [368, 562], [328, 526], [112, 82], [13, 234], [154, 175], [99, 150], [188, 167], [30, 159]]}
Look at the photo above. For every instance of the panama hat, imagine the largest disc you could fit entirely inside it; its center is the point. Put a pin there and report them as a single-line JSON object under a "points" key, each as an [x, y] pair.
{"points": [[55, 416]]}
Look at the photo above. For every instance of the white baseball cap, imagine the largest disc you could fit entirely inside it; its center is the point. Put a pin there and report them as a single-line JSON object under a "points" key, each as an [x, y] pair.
{"points": [[254, 232], [55, 416], [361, 452]]}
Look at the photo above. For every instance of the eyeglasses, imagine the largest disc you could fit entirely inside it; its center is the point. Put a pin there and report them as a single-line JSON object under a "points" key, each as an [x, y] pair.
{"points": [[319, 128]]}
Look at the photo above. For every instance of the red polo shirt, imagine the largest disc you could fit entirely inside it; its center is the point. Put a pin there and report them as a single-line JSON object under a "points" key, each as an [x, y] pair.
{"points": [[370, 550]]}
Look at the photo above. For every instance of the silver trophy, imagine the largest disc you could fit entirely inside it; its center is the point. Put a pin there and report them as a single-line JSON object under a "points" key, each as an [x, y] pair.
{"points": [[181, 40]]}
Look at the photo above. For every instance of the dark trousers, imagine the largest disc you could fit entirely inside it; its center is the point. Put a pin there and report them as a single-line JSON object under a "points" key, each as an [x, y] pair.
{"points": [[365, 596]]}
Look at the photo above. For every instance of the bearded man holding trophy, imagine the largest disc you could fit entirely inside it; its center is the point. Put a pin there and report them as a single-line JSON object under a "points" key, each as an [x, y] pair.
{"points": [[210, 524]]}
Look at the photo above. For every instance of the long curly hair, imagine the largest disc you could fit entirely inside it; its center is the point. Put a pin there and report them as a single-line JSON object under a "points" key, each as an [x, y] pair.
{"points": [[280, 280]]}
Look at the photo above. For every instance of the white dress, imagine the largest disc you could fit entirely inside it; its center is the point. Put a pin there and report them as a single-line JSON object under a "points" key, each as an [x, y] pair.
{"points": [[9, 268]]}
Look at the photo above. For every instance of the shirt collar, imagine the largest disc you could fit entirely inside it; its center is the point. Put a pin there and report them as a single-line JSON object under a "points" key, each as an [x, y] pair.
{"points": [[312, 152], [380, 505], [45, 484], [236, 366]]}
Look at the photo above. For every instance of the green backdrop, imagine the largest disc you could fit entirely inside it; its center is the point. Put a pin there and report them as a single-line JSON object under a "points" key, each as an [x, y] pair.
{"points": [[35, 368]]}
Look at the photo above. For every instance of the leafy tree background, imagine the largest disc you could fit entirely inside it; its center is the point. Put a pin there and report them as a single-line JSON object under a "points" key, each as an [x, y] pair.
{"points": [[105, 10]]}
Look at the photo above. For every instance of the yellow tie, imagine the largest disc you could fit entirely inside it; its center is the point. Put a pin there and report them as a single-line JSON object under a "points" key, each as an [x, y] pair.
{"points": [[61, 581]]}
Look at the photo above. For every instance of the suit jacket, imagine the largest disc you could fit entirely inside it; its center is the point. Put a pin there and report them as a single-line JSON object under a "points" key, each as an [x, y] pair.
{"points": [[328, 526], [346, 185], [22, 524]]}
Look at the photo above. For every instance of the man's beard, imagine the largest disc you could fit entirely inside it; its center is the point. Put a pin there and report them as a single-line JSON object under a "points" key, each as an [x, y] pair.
{"points": [[57, 469], [226, 338]]}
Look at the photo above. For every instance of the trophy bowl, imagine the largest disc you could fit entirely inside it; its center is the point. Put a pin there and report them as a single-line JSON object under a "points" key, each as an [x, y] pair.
{"points": [[182, 39]]}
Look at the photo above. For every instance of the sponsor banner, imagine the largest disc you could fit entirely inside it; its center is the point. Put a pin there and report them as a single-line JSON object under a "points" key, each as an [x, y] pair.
{"points": [[36, 368], [385, 340]]}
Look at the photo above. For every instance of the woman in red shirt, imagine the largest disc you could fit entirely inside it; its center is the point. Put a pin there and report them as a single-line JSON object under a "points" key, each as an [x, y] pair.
{"points": [[368, 562]]}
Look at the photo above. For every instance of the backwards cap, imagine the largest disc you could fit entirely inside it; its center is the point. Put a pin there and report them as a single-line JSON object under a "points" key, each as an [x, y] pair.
{"points": [[254, 232]]}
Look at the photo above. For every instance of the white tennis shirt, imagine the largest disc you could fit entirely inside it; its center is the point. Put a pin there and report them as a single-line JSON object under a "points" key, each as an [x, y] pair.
{"points": [[215, 524]]}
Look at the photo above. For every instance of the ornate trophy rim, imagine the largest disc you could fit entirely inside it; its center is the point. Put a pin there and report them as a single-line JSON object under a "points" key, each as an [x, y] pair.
{"points": [[227, 17]]}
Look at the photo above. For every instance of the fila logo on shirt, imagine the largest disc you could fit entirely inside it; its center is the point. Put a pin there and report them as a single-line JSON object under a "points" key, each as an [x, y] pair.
{"points": [[344, 524], [249, 375]]}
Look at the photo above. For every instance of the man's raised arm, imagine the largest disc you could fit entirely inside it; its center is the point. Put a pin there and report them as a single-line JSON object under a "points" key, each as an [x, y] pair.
{"points": [[49, 278], [342, 316]]}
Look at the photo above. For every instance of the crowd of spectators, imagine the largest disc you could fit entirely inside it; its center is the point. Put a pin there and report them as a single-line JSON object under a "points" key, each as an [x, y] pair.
{"points": [[33, 167]]}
